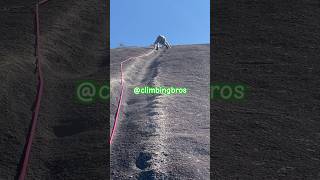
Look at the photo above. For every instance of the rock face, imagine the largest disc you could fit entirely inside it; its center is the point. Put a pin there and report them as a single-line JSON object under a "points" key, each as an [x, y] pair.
{"points": [[71, 138], [273, 47], [162, 136]]}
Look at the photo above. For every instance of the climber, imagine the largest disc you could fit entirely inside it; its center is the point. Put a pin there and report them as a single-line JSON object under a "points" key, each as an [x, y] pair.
{"points": [[161, 40]]}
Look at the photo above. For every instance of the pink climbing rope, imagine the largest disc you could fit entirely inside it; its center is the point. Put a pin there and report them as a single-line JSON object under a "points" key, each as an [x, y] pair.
{"points": [[116, 118], [35, 113]]}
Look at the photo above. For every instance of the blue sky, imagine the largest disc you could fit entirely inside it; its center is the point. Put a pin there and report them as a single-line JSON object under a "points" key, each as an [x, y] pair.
{"points": [[138, 22]]}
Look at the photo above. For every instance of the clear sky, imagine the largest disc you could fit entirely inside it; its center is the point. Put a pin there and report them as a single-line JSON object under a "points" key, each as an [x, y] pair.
{"points": [[138, 22]]}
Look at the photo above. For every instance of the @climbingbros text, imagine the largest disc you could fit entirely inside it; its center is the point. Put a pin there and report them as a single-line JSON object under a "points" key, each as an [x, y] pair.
{"points": [[160, 90], [228, 91], [89, 91]]}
